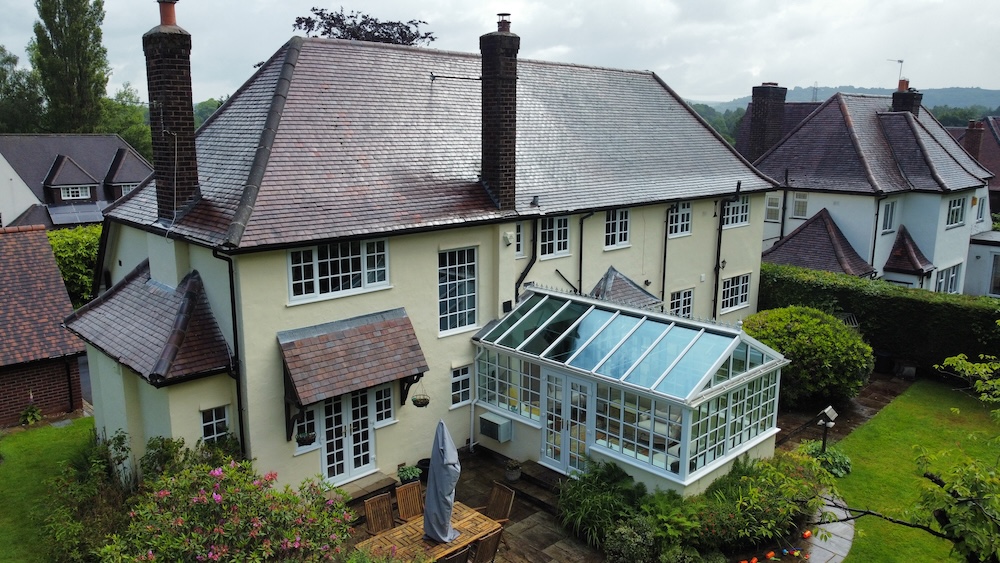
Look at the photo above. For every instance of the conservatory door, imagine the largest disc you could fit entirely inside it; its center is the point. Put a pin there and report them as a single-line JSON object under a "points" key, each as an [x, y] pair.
{"points": [[347, 443], [564, 435]]}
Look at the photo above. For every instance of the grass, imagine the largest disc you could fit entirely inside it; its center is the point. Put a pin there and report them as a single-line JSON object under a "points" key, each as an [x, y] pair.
{"points": [[30, 458], [885, 478]]}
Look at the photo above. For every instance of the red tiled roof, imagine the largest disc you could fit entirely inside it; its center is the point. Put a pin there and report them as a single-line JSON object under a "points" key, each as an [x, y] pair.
{"points": [[906, 257], [164, 334], [336, 138], [33, 299], [334, 358], [818, 244]]}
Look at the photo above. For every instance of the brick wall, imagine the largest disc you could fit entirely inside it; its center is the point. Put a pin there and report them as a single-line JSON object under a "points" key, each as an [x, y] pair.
{"points": [[499, 50], [55, 390]]}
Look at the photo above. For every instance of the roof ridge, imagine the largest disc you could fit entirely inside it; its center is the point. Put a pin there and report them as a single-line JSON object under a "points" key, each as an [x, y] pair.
{"points": [[22, 229], [190, 290], [856, 141]]}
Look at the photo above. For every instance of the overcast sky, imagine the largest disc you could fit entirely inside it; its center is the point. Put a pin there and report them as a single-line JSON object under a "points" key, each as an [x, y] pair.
{"points": [[705, 50]]}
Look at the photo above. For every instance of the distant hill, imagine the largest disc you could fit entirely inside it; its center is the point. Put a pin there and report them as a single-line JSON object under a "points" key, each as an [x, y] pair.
{"points": [[954, 97]]}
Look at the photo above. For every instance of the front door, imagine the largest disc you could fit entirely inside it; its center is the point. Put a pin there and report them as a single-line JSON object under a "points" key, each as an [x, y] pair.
{"points": [[564, 435], [347, 444]]}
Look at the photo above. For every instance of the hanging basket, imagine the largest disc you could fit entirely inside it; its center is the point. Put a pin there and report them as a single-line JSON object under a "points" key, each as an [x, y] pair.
{"points": [[420, 400]]}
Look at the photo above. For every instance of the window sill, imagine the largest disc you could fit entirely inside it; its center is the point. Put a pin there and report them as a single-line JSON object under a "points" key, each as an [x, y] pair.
{"points": [[460, 330], [338, 295], [554, 256], [736, 308], [617, 247], [384, 423], [302, 450], [680, 235], [460, 405], [735, 226]]}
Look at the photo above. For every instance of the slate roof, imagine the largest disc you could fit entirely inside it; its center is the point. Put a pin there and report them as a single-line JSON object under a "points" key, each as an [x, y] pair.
{"points": [[335, 138], [33, 300], [331, 359], [619, 288], [170, 334], [71, 160], [795, 113], [854, 143], [906, 257], [818, 244]]}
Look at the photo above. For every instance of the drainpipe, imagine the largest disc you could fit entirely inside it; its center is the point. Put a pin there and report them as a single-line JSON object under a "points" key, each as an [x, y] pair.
{"points": [[875, 230], [531, 261], [237, 371], [723, 204], [69, 381], [579, 284], [784, 207], [663, 265]]}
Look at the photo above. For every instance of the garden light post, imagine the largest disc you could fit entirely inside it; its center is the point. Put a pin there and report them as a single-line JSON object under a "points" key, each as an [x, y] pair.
{"points": [[830, 415]]}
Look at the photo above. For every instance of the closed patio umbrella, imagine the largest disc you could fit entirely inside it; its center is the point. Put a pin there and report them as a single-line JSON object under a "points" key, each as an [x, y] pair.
{"points": [[444, 472]]}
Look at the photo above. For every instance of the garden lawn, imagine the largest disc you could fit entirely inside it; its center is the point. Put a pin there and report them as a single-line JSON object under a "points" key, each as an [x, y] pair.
{"points": [[885, 478], [30, 458]]}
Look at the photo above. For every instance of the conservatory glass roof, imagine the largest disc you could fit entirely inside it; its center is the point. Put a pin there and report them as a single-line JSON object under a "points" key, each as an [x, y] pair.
{"points": [[666, 355]]}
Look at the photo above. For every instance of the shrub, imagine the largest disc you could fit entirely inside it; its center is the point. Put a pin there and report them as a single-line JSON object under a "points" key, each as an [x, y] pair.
{"points": [[408, 472], [828, 359], [230, 513], [833, 460], [76, 255], [169, 455], [631, 541], [674, 518], [597, 500]]}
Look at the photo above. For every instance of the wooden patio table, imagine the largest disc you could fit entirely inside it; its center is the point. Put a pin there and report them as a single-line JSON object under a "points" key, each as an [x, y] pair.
{"points": [[406, 542]]}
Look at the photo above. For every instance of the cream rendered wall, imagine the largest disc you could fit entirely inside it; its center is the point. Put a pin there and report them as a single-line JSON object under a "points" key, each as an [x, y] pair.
{"points": [[108, 392], [185, 401], [15, 196], [265, 310], [126, 248], [124, 401]]}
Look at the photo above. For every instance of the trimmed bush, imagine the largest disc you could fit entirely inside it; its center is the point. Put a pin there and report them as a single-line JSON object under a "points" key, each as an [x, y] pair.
{"points": [[829, 360], [76, 254]]}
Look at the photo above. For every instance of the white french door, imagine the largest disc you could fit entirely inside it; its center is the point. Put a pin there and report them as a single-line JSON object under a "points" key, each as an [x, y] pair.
{"points": [[564, 434], [348, 451]]}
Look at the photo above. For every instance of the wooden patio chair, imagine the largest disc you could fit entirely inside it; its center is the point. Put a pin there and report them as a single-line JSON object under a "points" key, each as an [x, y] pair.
{"points": [[487, 547], [378, 514], [460, 556], [499, 504], [409, 501]]}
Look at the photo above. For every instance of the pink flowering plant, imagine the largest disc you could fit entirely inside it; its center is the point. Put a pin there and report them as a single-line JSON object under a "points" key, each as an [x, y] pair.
{"points": [[231, 513]]}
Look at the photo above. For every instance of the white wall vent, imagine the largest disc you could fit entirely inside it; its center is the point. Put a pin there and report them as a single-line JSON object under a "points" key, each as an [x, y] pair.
{"points": [[495, 426]]}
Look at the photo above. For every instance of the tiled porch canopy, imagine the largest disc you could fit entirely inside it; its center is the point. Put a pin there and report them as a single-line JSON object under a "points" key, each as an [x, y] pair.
{"points": [[655, 389]]}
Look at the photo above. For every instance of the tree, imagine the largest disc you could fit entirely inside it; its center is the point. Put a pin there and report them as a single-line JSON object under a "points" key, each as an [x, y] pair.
{"points": [[76, 255], [69, 57], [125, 116], [21, 106], [829, 360], [959, 117], [204, 110], [362, 27]]}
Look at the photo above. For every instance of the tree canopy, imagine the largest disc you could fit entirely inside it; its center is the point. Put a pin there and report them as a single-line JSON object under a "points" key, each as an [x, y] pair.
{"points": [[125, 115], [68, 54], [362, 27], [21, 104]]}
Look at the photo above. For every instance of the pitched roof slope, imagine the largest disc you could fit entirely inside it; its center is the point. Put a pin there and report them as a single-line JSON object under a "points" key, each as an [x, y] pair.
{"points": [[163, 334], [619, 288], [855, 143], [906, 257], [339, 138], [818, 244], [32, 157], [795, 112], [989, 149], [33, 299]]}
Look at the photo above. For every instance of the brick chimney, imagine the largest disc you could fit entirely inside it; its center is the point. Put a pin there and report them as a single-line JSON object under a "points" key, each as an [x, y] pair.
{"points": [[972, 141], [767, 118], [906, 98], [171, 114], [499, 50]]}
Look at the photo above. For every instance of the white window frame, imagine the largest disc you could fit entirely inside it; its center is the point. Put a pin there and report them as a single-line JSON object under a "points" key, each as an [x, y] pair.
{"points": [[554, 237], [888, 216], [772, 208], [461, 386], [800, 205], [735, 292], [956, 212], [127, 188], [69, 193], [510, 385], [994, 275], [737, 213], [948, 279], [679, 220], [458, 287], [682, 302], [616, 229], [304, 265], [306, 425], [381, 401], [519, 240], [210, 420], [981, 210]]}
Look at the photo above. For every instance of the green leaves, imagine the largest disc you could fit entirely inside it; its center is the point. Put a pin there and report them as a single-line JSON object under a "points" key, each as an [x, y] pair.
{"points": [[76, 255]]}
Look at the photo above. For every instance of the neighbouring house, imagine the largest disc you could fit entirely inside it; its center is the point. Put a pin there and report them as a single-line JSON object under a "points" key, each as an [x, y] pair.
{"points": [[981, 139], [341, 236], [39, 359], [65, 180], [870, 185]]}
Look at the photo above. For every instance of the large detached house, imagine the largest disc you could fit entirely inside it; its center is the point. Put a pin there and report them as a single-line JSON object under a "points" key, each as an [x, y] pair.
{"points": [[870, 186], [65, 180], [527, 245]]}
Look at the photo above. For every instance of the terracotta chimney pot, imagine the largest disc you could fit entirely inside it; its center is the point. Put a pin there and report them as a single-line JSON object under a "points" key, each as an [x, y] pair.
{"points": [[167, 14]]}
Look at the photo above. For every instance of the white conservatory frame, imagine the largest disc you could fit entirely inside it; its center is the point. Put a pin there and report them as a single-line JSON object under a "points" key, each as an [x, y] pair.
{"points": [[672, 397]]}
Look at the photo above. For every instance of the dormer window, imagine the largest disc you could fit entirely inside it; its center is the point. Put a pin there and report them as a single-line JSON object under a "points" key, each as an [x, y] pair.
{"points": [[74, 192]]}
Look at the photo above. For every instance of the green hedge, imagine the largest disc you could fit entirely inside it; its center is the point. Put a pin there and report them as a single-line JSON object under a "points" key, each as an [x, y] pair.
{"points": [[909, 324]]}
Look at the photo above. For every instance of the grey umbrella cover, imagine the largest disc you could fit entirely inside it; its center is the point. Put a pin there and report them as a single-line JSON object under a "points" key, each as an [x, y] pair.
{"points": [[443, 476]]}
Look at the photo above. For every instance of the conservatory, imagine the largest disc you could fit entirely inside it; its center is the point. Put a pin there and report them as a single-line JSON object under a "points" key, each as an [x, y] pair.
{"points": [[671, 397]]}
